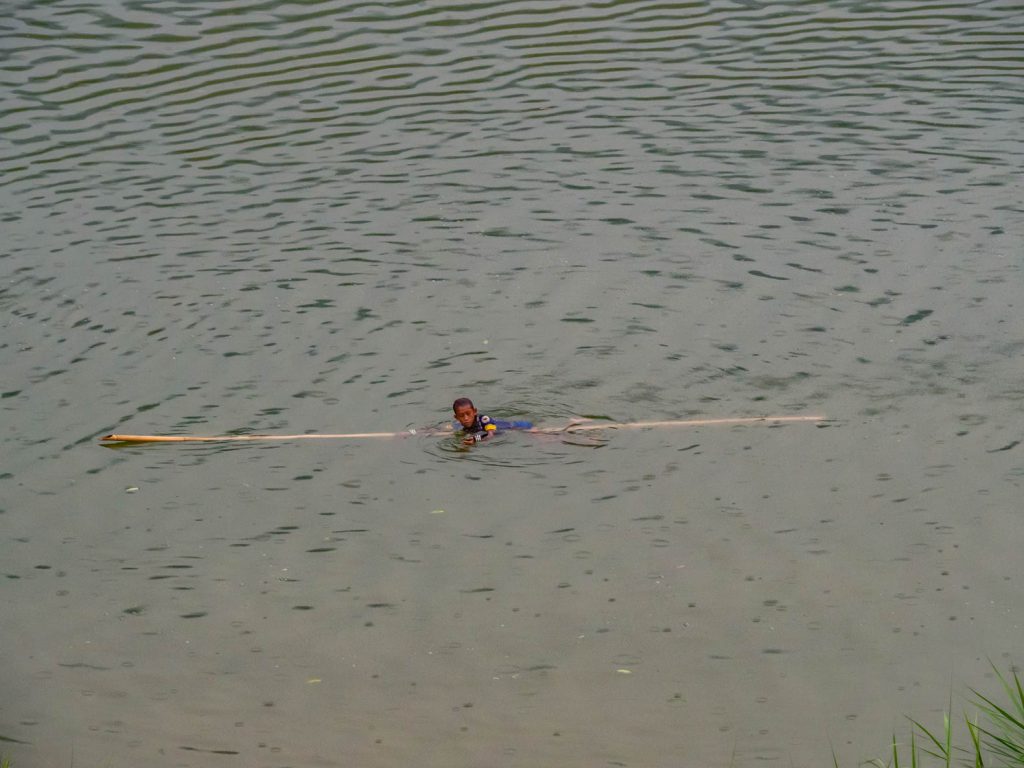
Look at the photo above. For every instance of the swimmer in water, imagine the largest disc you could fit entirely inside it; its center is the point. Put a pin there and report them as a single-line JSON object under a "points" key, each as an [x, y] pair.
{"points": [[476, 426]]}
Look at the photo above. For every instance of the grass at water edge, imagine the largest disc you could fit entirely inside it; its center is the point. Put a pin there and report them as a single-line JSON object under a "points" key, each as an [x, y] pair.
{"points": [[996, 734]]}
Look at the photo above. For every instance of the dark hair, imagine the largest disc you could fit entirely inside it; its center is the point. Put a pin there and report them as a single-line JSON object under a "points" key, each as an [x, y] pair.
{"points": [[462, 402]]}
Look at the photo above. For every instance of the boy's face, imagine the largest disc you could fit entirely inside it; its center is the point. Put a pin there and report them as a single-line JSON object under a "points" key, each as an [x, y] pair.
{"points": [[465, 415]]}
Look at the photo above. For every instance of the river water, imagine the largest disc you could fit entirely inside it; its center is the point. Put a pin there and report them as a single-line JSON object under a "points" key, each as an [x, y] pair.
{"points": [[225, 217]]}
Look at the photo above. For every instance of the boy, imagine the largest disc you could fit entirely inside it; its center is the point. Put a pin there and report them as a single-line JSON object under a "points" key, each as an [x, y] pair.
{"points": [[476, 426]]}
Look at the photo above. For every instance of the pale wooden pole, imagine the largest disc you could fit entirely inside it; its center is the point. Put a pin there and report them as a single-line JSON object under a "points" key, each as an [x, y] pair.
{"points": [[575, 426]]}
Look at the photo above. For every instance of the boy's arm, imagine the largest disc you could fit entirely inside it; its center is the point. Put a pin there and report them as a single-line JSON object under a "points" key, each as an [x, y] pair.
{"points": [[490, 428]]}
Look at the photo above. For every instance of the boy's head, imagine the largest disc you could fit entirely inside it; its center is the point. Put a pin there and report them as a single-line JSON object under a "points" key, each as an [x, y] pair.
{"points": [[465, 411]]}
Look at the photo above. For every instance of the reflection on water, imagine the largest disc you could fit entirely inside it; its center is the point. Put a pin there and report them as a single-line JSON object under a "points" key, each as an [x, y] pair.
{"points": [[291, 217]]}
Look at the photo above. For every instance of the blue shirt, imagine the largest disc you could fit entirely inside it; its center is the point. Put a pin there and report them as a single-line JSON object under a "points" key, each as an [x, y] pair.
{"points": [[483, 425]]}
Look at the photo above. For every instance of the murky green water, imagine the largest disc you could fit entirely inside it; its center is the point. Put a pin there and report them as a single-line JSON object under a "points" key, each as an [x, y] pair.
{"points": [[290, 217]]}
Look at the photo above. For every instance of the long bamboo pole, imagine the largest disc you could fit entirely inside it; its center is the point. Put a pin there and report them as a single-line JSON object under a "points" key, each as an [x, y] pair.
{"points": [[587, 426], [240, 438], [574, 426]]}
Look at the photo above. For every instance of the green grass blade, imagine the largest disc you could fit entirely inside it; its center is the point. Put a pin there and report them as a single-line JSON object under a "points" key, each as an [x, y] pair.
{"points": [[1003, 733], [998, 714], [942, 750], [975, 733], [1014, 693]]}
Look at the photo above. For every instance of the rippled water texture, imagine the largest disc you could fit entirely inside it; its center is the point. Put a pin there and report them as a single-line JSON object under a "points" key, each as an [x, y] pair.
{"points": [[223, 217]]}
